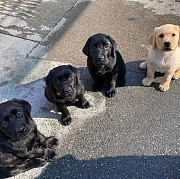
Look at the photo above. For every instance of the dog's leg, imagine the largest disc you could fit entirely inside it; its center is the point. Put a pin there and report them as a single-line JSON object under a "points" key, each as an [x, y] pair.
{"points": [[66, 117], [111, 89], [150, 76], [84, 103], [176, 75], [41, 152], [29, 164], [35, 158], [164, 85], [33, 152], [47, 142], [38, 151]]}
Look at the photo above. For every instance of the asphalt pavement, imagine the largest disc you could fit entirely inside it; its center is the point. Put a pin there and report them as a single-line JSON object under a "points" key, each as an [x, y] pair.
{"points": [[135, 134]]}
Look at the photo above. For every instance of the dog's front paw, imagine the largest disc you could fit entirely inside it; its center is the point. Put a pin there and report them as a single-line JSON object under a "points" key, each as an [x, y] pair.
{"points": [[49, 155], [143, 65], [85, 105], [146, 81], [176, 75], [164, 87], [51, 142], [66, 120], [111, 92]]}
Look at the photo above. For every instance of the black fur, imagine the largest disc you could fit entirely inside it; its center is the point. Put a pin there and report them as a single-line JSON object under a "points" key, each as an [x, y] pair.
{"points": [[22, 146], [63, 87], [105, 63]]}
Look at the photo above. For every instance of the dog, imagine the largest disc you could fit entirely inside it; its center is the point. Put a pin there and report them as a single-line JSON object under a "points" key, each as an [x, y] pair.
{"points": [[63, 87], [164, 55], [105, 63], [22, 146]]}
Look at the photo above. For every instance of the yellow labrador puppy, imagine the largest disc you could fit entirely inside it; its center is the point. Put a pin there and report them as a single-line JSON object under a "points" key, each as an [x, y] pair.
{"points": [[164, 55]]}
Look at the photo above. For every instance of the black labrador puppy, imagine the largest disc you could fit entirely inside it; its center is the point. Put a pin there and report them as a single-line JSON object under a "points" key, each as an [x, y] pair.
{"points": [[105, 63], [22, 146], [63, 87]]}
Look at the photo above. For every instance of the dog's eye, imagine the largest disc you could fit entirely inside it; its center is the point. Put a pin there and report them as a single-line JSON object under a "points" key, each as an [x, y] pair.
{"points": [[94, 46], [173, 34], [59, 79], [106, 46], [5, 123], [18, 113], [161, 35], [70, 76]]}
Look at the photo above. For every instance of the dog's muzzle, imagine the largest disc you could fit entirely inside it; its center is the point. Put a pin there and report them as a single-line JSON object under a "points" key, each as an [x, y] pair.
{"points": [[21, 132], [66, 93], [167, 46]]}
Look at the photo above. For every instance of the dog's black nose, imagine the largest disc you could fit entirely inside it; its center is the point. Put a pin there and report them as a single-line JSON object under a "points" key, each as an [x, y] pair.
{"points": [[167, 44], [67, 90], [100, 58], [22, 129]]}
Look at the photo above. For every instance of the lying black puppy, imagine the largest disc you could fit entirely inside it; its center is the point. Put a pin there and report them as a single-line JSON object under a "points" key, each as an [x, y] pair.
{"points": [[105, 63], [22, 146], [63, 87]]}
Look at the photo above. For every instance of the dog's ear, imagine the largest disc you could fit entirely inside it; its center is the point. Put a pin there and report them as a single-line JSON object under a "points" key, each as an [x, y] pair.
{"points": [[178, 27], [179, 38], [49, 84], [152, 39], [48, 79], [86, 47], [24, 103], [113, 43], [76, 71]]}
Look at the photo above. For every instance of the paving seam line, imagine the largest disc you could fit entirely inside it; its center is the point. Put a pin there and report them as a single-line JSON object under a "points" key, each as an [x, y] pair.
{"points": [[51, 30]]}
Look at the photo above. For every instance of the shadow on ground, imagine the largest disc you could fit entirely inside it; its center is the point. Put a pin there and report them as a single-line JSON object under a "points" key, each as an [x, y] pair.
{"points": [[134, 75], [33, 91], [114, 167]]}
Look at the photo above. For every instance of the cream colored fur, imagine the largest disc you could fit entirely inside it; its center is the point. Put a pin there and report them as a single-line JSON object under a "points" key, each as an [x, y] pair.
{"points": [[160, 60]]}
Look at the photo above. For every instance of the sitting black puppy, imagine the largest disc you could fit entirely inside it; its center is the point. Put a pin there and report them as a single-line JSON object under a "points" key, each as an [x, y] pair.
{"points": [[105, 63], [22, 146], [63, 87]]}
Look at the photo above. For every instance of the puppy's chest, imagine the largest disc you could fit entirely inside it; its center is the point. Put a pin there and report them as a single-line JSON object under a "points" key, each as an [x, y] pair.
{"points": [[161, 63]]}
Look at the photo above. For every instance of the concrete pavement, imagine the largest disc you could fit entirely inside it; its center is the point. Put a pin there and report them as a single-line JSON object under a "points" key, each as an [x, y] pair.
{"points": [[133, 135]]}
